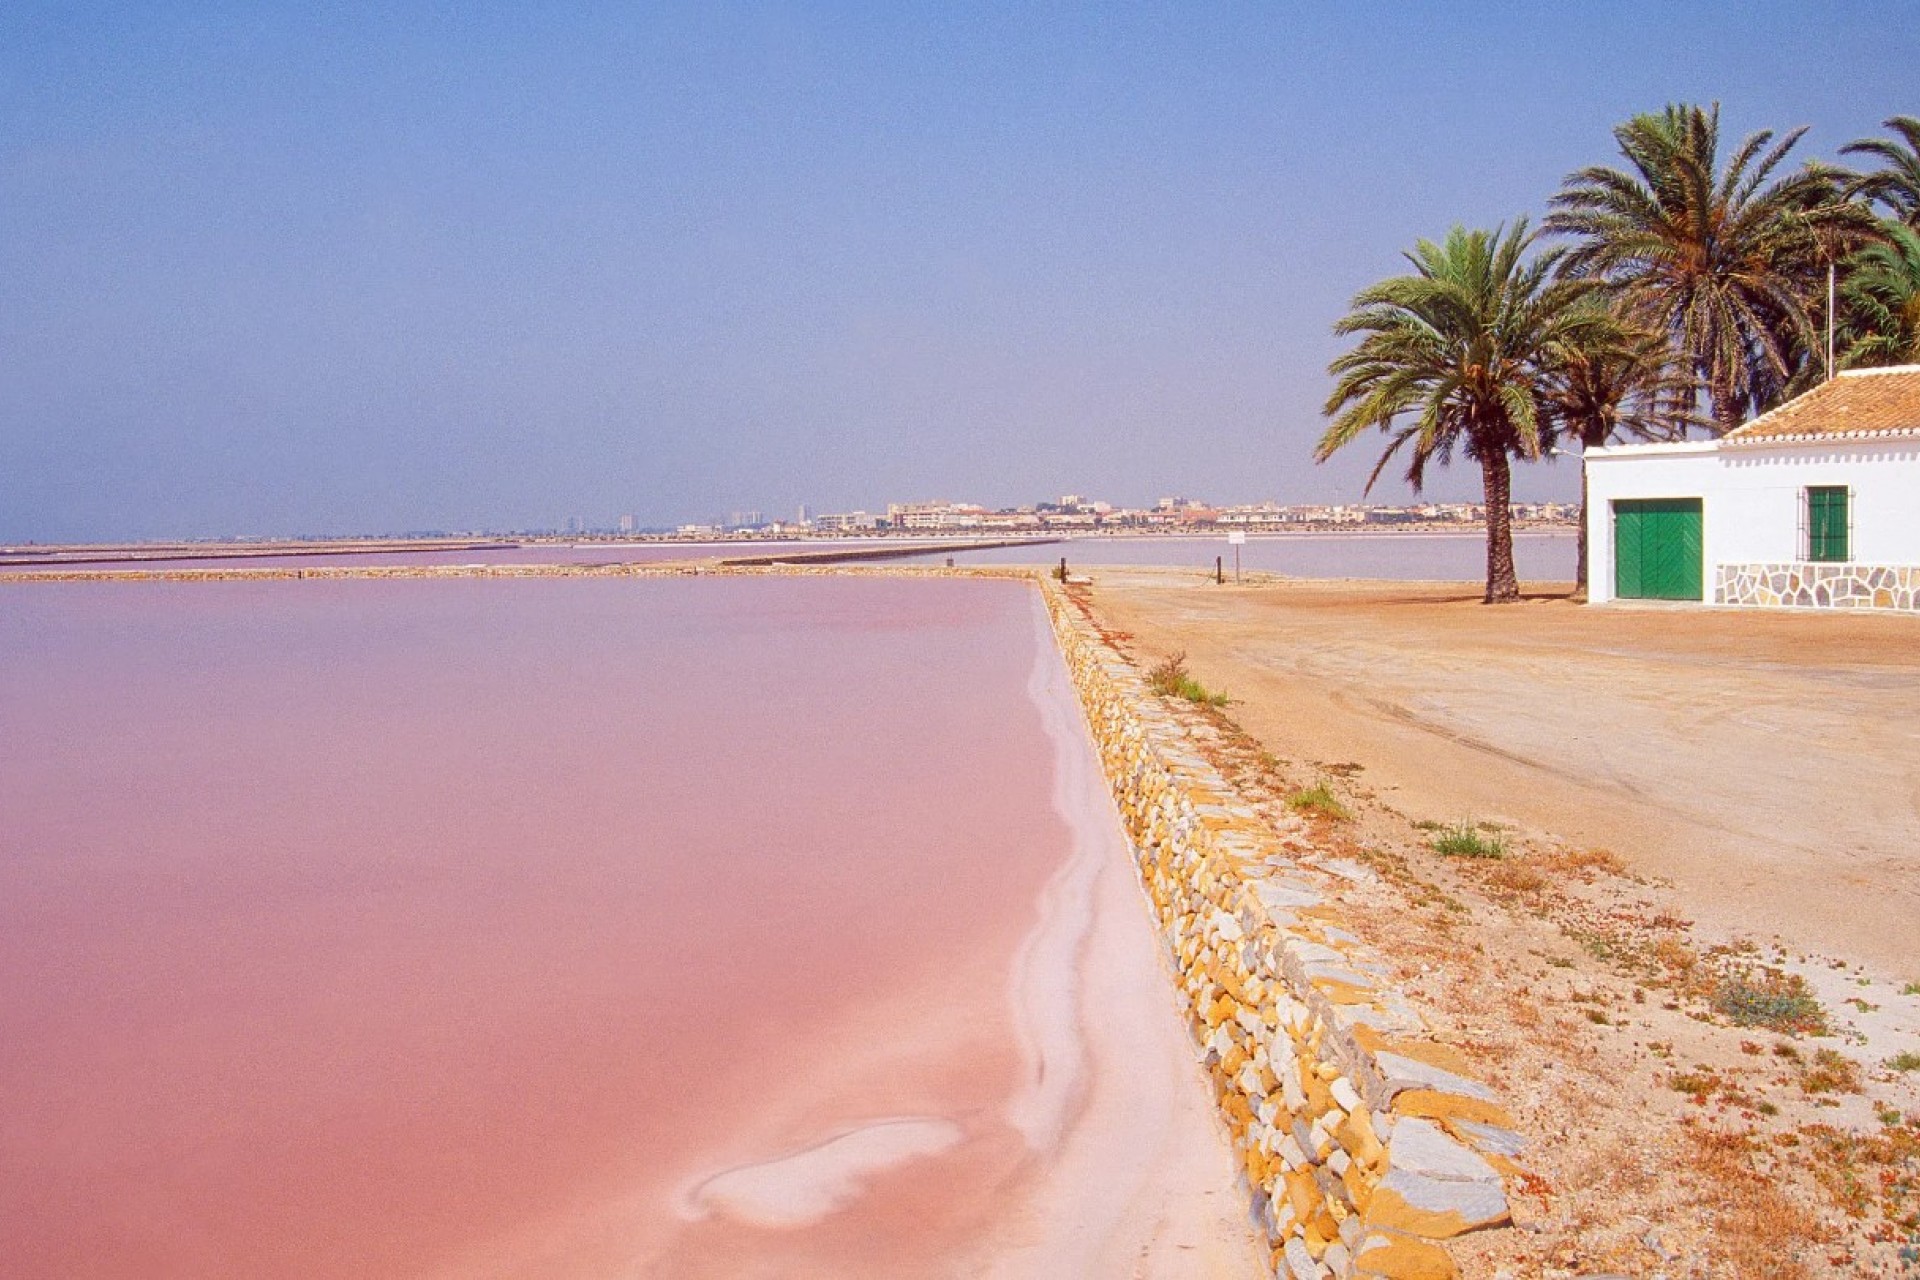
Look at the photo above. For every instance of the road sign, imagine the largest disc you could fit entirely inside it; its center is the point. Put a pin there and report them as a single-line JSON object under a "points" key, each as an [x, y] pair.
{"points": [[1238, 538]]}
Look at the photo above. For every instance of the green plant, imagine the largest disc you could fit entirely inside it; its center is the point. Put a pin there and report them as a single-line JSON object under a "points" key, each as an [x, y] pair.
{"points": [[1778, 1001], [1465, 841], [1698, 1085], [1319, 799], [1170, 679], [1911, 989], [1905, 1061]]}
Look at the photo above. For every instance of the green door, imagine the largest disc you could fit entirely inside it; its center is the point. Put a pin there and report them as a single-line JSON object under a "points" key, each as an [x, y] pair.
{"points": [[1657, 549]]}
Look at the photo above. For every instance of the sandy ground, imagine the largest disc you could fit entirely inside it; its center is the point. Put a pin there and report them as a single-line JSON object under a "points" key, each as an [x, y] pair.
{"points": [[1688, 802], [1768, 764]]}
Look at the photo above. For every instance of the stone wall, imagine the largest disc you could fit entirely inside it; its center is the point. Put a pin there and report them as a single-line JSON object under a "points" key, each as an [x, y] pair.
{"points": [[1819, 586], [1362, 1141]]}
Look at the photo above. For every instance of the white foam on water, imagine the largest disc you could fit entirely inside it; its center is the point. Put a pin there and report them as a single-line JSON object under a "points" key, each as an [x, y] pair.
{"points": [[808, 1185], [1045, 988]]}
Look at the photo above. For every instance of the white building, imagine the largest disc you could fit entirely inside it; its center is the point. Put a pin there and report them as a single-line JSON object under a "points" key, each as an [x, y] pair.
{"points": [[1816, 504]]}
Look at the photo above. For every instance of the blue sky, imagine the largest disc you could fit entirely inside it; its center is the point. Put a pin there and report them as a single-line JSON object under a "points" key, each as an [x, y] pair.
{"points": [[333, 269]]}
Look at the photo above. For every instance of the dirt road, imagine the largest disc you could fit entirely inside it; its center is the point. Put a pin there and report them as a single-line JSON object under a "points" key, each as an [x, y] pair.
{"points": [[1766, 763]]}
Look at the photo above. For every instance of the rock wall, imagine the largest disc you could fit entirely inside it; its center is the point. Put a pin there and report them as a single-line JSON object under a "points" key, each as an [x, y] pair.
{"points": [[1362, 1141], [1819, 586]]}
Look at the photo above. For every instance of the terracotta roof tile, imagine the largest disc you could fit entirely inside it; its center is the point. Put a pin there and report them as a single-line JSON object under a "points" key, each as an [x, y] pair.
{"points": [[1860, 402]]}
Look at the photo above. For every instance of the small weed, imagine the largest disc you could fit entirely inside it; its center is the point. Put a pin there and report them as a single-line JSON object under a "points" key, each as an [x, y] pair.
{"points": [[1588, 861], [1911, 989], [1830, 1072], [1319, 799], [1465, 841], [1170, 679], [1776, 1001], [1864, 1006], [1698, 1085], [1907, 1061], [1517, 877], [1559, 962], [1428, 824], [1598, 1017], [1766, 1108]]}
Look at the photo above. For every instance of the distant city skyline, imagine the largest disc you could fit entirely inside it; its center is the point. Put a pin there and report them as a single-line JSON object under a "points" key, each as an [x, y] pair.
{"points": [[282, 270]]}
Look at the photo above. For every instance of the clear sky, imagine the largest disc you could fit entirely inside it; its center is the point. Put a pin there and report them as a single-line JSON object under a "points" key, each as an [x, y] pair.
{"points": [[317, 268]]}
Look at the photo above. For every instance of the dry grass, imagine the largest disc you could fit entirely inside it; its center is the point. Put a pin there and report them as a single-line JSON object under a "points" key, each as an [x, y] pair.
{"points": [[1586, 863], [1516, 877], [1874, 1175], [1830, 1072], [1759, 1232]]}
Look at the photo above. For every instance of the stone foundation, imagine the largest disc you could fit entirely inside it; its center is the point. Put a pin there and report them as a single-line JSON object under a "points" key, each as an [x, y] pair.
{"points": [[1362, 1141], [1819, 586]]}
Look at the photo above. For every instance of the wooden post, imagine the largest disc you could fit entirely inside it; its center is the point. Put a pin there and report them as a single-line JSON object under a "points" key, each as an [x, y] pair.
{"points": [[1063, 568], [1219, 571]]}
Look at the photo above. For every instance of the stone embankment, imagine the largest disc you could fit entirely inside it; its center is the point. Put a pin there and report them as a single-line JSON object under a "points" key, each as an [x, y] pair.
{"points": [[1363, 1142]]}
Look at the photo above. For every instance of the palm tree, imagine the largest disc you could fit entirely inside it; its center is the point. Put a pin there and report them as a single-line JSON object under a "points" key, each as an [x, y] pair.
{"points": [[1457, 356], [1727, 262], [1617, 383], [1880, 308], [1896, 184]]}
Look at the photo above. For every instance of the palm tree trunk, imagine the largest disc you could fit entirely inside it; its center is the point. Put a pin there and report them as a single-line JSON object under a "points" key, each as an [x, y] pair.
{"points": [[1580, 546], [1503, 586]]}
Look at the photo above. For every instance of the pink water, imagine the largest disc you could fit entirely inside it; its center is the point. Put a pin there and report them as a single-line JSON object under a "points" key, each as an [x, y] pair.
{"points": [[462, 927], [534, 553]]}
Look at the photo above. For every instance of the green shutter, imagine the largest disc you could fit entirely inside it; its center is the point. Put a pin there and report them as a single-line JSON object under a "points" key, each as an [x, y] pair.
{"points": [[1827, 523], [1658, 550]]}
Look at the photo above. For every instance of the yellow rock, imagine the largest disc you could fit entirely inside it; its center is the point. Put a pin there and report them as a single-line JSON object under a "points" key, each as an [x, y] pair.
{"points": [[1358, 1139], [1406, 1260], [1303, 1193], [1431, 1104], [1360, 1182], [1389, 1209]]}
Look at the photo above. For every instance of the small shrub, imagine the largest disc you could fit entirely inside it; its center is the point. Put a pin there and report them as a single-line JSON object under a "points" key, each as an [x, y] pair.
{"points": [[1911, 989], [1517, 877], [1776, 1001], [1907, 1061], [1589, 861], [1170, 679], [1319, 799], [1831, 1072], [1465, 841], [1698, 1085]]}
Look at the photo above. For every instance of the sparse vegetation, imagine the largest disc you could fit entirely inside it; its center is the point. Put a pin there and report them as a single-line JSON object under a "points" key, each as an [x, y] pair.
{"points": [[1830, 1072], [1587, 862], [1907, 1061], [1170, 679], [1759, 1231], [1516, 877], [1319, 798], [1777, 1001], [1465, 840], [1871, 1174]]}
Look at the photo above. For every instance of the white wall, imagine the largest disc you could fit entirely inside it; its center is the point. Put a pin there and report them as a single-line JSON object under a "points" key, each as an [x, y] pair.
{"points": [[1750, 508]]}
